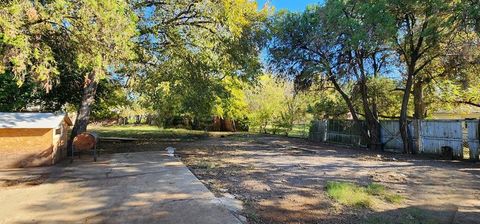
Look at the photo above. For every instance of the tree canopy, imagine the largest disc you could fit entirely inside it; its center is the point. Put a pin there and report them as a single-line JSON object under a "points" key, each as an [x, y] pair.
{"points": [[357, 46]]}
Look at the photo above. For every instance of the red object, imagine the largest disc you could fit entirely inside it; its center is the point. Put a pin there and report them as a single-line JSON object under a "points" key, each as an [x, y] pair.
{"points": [[85, 141]]}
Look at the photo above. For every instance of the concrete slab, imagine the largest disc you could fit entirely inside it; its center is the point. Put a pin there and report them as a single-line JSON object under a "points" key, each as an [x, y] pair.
{"points": [[146, 187]]}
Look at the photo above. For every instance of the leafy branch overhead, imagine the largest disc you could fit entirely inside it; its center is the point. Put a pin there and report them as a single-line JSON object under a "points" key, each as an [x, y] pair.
{"points": [[98, 31]]}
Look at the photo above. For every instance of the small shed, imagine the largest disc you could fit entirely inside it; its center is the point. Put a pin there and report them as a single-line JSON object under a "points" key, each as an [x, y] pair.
{"points": [[32, 139]]}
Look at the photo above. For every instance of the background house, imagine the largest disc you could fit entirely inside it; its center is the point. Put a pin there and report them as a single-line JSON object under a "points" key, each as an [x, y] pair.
{"points": [[459, 112], [32, 139]]}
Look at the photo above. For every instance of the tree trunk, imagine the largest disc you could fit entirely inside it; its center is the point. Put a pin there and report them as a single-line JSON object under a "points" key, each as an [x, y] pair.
{"points": [[234, 126], [83, 114], [373, 125], [418, 101], [407, 143], [351, 108], [376, 130]]}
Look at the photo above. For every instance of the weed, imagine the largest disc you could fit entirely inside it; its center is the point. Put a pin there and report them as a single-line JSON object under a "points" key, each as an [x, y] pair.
{"points": [[204, 164], [393, 198], [349, 194], [375, 189], [354, 195], [380, 190]]}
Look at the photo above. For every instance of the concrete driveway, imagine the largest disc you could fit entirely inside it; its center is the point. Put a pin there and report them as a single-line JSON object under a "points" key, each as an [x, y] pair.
{"points": [[145, 187]]}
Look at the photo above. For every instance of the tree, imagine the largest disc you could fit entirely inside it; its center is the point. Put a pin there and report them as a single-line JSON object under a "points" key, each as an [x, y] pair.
{"points": [[13, 97], [104, 30], [110, 99], [388, 100], [189, 50], [338, 42], [304, 46], [422, 26], [294, 110], [328, 105], [99, 33], [219, 38], [366, 28], [231, 102], [453, 77], [266, 102], [22, 51], [469, 13]]}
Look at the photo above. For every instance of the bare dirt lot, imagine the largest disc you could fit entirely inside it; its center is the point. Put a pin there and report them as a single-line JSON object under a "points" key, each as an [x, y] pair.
{"points": [[282, 180]]}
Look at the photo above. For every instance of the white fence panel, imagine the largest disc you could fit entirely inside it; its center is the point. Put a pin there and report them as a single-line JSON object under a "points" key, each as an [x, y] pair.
{"points": [[436, 134], [433, 135], [473, 139]]}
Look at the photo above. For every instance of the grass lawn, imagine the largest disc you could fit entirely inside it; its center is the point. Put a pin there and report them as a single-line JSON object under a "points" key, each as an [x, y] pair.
{"points": [[146, 132], [298, 131]]}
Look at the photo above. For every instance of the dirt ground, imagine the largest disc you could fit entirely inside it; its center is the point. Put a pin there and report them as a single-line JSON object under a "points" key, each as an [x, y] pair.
{"points": [[282, 180]]}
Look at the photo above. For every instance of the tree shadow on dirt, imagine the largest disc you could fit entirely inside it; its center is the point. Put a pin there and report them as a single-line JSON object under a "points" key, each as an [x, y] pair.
{"points": [[421, 214], [121, 188]]}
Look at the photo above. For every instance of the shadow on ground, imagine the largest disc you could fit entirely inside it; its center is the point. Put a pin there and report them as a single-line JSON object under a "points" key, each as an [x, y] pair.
{"points": [[280, 180], [121, 188]]}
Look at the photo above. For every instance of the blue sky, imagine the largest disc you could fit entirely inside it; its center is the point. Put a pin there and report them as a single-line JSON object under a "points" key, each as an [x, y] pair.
{"points": [[292, 5]]}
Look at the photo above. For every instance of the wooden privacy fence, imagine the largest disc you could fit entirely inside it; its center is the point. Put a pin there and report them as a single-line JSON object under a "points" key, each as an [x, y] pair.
{"points": [[429, 136]]}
